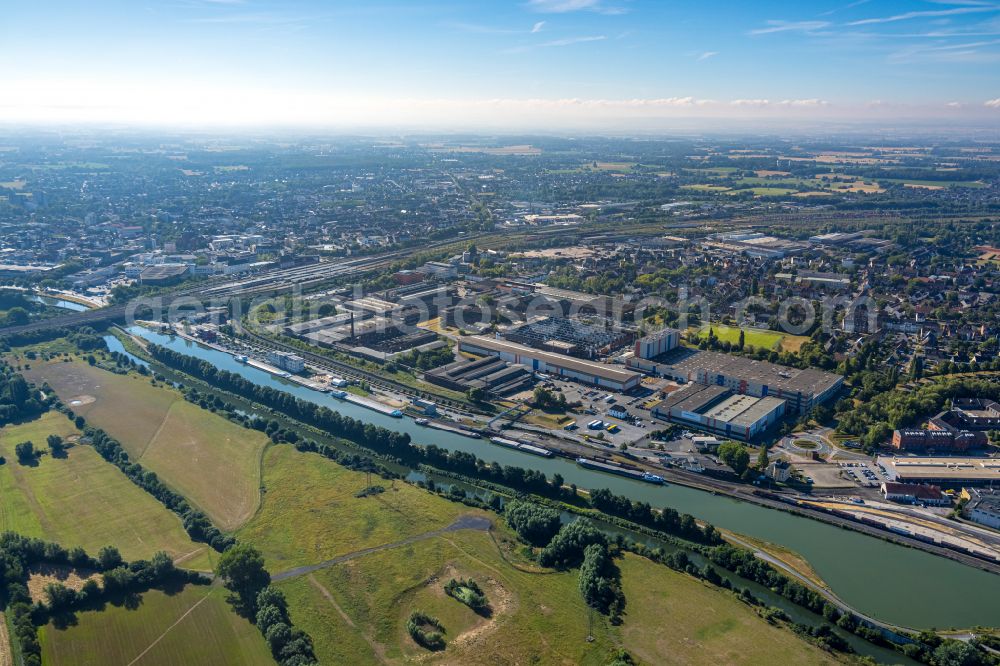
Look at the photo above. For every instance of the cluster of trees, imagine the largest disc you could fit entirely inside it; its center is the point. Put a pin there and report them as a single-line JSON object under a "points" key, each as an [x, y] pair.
{"points": [[241, 569], [426, 630], [17, 399], [600, 582], [423, 360], [469, 593], [575, 544], [197, 524], [735, 455], [548, 400], [18, 554], [565, 550], [534, 523], [33, 337], [87, 339], [120, 578], [25, 452], [666, 520]]}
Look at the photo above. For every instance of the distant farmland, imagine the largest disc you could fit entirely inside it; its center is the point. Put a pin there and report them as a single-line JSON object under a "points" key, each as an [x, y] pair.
{"points": [[208, 459], [82, 500], [193, 626]]}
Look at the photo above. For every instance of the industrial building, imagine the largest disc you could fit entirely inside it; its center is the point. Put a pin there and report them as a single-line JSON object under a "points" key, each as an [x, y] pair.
{"points": [[801, 389], [490, 374], [286, 361], [912, 493], [933, 439], [984, 507], [569, 336], [567, 367], [942, 470], [969, 414], [719, 410], [958, 429], [657, 343]]}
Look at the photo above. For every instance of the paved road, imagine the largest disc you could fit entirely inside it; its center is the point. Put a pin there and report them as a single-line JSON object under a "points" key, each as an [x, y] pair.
{"points": [[466, 522]]}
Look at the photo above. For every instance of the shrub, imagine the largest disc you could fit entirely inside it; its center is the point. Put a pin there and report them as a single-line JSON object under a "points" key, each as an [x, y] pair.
{"points": [[426, 631], [469, 593]]}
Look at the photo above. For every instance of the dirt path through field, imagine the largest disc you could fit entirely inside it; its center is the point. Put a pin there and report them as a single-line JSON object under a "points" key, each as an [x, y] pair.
{"points": [[377, 649], [466, 522], [6, 658], [168, 629]]}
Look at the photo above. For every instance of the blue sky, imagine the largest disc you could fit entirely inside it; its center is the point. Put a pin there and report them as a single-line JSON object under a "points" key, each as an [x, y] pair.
{"points": [[601, 62]]}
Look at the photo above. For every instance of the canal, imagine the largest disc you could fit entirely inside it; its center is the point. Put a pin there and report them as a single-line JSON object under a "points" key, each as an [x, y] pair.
{"points": [[893, 583], [59, 303]]}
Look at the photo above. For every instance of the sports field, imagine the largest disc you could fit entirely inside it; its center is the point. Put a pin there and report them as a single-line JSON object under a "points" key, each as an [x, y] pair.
{"points": [[193, 626], [758, 337], [213, 462], [82, 500], [310, 514]]}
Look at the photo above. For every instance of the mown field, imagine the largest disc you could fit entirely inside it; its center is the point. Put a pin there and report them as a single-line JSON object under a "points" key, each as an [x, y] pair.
{"points": [[757, 337], [193, 626], [310, 514], [213, 462], [82, 500]]}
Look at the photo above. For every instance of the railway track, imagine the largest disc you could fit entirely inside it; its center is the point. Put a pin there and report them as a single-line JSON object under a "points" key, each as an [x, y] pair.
{"points": [[350, 371]]}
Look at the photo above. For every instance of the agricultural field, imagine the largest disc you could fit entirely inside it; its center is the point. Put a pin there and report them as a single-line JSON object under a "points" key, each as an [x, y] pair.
{"points": [[213, 462], [310, 513], [706, 187], [193, 625], [44, 500], [756, 337]]}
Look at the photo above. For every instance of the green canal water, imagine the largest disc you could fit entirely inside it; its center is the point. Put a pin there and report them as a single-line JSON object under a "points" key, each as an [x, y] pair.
{"points": [[900, 585]]}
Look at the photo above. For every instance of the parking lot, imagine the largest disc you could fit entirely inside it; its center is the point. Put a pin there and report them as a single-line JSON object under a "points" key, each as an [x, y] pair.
{"points": [[598, 405], [865, 474]]}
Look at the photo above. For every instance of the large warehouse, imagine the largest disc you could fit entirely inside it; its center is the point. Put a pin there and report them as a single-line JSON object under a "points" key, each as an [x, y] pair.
{"points": [[615, 378], [569, 336], [721, 411], [947, 470], [802, 389]]}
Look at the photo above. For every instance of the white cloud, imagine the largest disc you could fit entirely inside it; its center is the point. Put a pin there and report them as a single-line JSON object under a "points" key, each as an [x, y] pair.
{"points": [[558, 43], [564, 6], [538, 26], [792, 103], [790, 26], [812, 102], [708, 54], [181, 103], [927, 14], [954, 105]]}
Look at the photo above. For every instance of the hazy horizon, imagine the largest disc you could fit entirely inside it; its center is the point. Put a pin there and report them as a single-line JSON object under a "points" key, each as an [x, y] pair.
{"points": [[529, 65]]}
